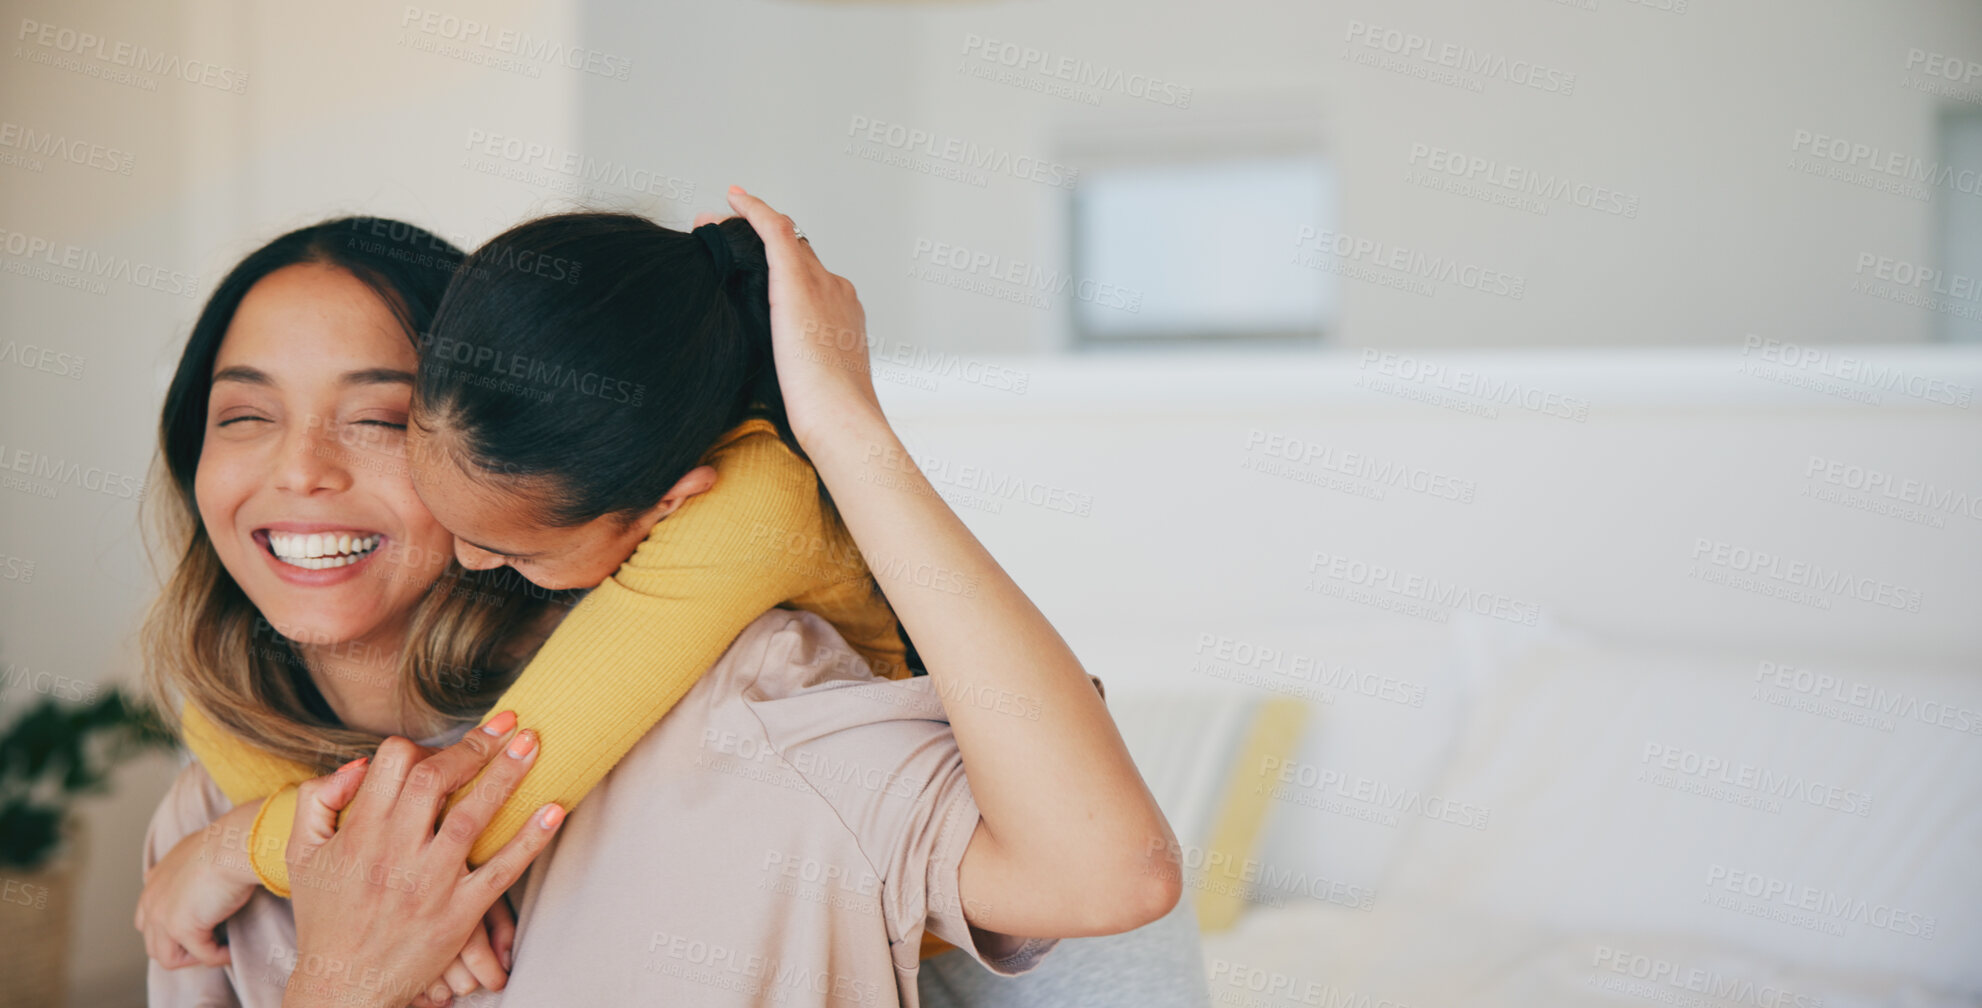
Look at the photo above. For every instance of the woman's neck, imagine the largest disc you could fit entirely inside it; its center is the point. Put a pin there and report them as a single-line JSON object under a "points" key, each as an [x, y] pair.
{"points": [[360, 681]]}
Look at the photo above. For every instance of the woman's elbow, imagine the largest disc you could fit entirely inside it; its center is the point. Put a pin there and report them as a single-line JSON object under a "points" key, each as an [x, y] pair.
{"points": [[1138, 891], [1153, 895]]}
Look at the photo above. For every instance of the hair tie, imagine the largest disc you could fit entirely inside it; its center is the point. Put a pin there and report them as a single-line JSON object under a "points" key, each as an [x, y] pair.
{"points": [[712, 236]]}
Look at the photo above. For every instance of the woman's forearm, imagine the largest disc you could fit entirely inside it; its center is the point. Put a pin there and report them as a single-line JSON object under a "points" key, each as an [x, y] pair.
{"points": [[1053, 781]]}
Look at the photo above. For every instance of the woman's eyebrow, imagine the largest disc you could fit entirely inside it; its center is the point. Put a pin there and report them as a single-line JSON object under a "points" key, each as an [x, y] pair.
{"points": [[376, 376], [241, 373], [363, 376]]}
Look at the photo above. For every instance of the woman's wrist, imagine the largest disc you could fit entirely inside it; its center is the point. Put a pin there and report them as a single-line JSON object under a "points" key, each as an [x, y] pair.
{"points": [[849, 419], [853, 434]]}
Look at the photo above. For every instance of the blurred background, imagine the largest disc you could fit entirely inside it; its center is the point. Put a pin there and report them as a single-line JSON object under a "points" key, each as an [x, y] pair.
{"points": [[1515, 465]]}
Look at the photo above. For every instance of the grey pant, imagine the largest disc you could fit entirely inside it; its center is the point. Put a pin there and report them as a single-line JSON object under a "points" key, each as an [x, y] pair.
{"points": [[1158, 965]]}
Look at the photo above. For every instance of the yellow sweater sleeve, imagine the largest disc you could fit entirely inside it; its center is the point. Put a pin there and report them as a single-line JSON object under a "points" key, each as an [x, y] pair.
{"points": [[635, 645]]}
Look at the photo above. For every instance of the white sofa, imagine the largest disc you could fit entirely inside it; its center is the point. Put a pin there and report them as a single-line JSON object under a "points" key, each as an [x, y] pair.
{"points": [[1574, 744]]}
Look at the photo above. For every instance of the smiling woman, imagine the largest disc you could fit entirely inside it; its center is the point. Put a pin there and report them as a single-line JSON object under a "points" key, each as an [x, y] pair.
{"points": [[295, 530], [313, 353]]}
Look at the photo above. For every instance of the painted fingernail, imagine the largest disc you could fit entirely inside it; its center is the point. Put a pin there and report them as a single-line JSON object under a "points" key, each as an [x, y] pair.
{"points": [[522, 744], [500, 724], [550, 816], [354, 764]]}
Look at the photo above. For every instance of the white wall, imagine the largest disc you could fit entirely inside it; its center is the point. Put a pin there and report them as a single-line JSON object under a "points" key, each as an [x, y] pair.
{"points": [[1693, 113]]}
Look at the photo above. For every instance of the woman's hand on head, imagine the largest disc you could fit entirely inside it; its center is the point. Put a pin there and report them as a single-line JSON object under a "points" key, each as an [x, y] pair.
{"points": [[818, 328], [386, 902], [198, 884]]}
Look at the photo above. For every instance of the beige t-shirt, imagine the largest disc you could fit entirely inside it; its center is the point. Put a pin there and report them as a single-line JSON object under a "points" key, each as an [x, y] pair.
{"points": [[782, 837]]}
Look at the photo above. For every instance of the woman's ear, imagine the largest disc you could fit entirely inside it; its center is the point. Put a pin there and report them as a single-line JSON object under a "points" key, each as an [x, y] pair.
{"points": [[698, 480]]}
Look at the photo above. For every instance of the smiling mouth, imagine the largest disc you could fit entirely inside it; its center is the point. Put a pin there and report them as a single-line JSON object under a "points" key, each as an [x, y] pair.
{"points": [[320, 550]]}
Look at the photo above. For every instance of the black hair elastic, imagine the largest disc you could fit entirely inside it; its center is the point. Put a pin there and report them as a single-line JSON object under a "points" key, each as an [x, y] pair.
{"points": [[712, 236]]}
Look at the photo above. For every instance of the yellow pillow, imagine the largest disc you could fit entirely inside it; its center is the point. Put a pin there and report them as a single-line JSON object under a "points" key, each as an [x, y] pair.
{"points": [[1234, 834]]}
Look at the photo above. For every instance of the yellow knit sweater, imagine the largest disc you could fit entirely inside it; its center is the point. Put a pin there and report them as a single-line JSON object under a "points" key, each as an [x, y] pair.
{"points": [[635, 644]]}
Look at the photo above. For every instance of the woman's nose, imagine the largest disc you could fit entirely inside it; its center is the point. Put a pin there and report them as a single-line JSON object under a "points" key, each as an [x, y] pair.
{"points": [[312, 460]]}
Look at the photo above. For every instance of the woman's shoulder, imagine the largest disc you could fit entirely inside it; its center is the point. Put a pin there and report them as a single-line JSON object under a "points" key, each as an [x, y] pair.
{"points": [[803, 682], [789, 651]]}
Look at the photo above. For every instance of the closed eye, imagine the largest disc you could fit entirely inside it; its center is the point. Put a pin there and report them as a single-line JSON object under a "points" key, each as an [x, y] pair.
{"points": [[238, 419]]}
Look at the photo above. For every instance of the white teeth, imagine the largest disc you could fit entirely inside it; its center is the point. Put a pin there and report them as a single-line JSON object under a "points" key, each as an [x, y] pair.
{"points": [[321, 550]]}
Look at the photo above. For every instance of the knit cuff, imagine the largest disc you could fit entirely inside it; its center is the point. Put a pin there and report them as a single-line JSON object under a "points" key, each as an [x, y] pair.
{"points": [[268, 840]]}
